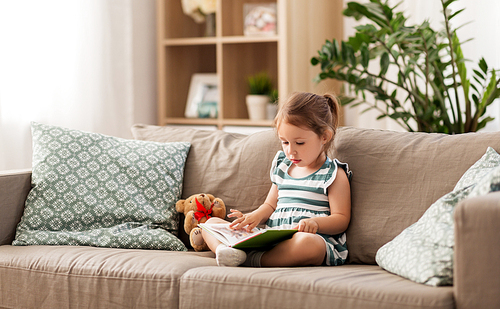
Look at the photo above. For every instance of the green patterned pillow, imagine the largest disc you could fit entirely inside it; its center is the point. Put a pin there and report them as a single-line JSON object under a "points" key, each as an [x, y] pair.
{"points": [[96, 190], [424, 251]]}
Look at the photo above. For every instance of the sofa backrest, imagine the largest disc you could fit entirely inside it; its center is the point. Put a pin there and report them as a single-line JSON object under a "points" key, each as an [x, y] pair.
{"points": [[396, 175]]}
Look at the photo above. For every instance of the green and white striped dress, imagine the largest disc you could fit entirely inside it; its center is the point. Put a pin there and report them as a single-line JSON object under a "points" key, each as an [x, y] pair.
{"points": [[300, 198]]}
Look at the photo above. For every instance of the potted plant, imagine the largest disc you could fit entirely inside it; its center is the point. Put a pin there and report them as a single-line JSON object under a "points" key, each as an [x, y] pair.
{"points": [[272, 106], [260, 86], [431, 91]]}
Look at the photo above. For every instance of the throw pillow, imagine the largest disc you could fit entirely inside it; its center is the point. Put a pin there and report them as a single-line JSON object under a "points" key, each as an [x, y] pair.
{"points": [[234, 167], [424, 251], [96, 190]]}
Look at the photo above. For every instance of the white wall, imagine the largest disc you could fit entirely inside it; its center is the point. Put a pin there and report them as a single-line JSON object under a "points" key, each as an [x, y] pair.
{"points": [[83, 64]]}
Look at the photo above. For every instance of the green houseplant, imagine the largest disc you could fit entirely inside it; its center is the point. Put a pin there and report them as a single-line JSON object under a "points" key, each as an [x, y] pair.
{"points": [[260, 88], [429, 72], [260, 84]]}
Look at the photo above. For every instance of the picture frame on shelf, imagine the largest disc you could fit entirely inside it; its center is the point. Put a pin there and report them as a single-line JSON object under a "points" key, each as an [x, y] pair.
{"points": [[203, 96], [260, 19]]}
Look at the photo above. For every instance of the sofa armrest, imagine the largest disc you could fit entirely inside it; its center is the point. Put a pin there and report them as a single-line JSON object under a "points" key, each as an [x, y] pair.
{"points": [[14, 188], [477, 252]]}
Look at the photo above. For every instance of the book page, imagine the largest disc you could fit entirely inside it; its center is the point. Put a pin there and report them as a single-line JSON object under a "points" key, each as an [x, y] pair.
{"points": [[258, 238], [232, 236]]}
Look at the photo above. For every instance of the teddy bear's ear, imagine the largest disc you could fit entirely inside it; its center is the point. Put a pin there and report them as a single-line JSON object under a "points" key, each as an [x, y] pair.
{"points": [[219, 202], [179, 206], [211, 197]]}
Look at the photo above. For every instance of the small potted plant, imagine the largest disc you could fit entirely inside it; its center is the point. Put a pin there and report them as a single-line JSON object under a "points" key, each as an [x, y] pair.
{"points": [[272, 106], [260, 88]]}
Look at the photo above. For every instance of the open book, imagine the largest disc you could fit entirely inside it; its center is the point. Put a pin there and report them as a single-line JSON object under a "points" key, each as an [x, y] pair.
{"points": [[241, 239]]}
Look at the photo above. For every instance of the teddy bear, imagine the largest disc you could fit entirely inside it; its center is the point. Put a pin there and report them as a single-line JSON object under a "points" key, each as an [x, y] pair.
{"points": [[198, 208]]}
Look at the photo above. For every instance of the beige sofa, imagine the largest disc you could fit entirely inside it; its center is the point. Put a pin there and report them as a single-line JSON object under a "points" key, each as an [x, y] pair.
{"points": [[396, 177]]}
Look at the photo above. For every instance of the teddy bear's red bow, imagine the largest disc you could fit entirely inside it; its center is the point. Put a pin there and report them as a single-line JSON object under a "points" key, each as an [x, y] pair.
{"points": [[202, 211]]}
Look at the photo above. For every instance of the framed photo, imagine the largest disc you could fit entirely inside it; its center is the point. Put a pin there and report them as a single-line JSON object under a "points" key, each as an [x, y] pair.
{"points": [[260, 19], [203, 97]]}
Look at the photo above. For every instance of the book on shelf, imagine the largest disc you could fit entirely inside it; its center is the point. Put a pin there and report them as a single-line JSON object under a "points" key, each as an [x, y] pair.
{"points": [[242, 239]]}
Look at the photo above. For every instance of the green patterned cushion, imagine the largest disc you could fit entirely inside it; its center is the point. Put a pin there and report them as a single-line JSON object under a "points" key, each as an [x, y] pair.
{"points": [[96, 190], [424, 251]]}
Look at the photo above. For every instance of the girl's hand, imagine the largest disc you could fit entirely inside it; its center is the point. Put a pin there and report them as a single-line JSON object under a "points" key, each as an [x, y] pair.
{"points": [[235, 213], [308, 226], [244, 221]]}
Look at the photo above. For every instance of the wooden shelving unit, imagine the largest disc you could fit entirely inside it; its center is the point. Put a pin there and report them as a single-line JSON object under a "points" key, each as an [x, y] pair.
{"points": [[303, 26]]}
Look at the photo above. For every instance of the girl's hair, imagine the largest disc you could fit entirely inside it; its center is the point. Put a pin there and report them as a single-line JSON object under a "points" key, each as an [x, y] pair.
{"points": [[319, 113]]}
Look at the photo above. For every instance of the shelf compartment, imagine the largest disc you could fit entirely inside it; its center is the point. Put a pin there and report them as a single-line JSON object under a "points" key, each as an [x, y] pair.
{"points": [[241, 60], [178, 24], [232, 16], [202, 59]]}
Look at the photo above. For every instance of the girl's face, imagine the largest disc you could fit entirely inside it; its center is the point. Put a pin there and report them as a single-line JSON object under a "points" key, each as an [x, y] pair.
{"points": [[302, 146]]}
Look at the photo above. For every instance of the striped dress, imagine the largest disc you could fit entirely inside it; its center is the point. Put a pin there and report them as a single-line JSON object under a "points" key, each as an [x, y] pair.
{"points": [[300, 198]]}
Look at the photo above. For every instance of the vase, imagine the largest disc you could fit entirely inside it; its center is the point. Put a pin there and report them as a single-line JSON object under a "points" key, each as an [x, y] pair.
{"points": [[210, 25], [257, 106]]}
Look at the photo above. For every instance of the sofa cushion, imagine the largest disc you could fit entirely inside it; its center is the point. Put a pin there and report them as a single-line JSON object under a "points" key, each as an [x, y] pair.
{"points": [[89, 277], [423, 252], [397, 176], [348, 286], [97, 190]]}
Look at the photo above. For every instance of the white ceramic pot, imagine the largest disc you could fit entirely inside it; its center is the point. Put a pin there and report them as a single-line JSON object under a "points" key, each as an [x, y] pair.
{"points": [[272, 110], [257, 106]]}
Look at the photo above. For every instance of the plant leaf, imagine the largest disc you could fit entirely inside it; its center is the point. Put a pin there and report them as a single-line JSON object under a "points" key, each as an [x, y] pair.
{"points": [[455, 14], [479, 74], [344, 52], [336, 49], [365, 56], [483, 123], [384, 63], [483, 65], [491, 93], [448, 2], [462, 70]]}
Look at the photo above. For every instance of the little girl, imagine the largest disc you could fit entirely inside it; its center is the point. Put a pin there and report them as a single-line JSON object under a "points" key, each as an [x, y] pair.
{"points": [[310, 192]]}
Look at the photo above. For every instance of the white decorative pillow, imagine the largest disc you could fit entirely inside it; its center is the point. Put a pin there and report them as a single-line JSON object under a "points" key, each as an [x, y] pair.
{"points": [[96, 190], [424, 251]]}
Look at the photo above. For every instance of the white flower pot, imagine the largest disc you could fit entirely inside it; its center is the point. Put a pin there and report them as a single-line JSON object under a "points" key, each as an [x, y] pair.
{"points": [[272, 110], [257, 106]]}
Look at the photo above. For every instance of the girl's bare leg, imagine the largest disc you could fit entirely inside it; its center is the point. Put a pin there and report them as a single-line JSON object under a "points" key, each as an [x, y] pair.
{"points": [[224, 255], [302, 249], [211, 241]]}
